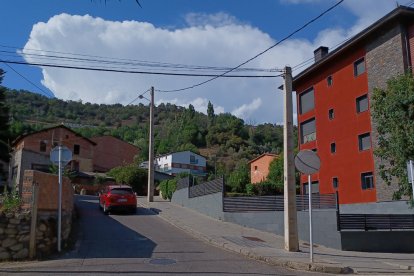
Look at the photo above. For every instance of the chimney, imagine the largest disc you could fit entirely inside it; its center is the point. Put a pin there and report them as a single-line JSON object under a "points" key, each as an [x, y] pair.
{"points": [[320, 53]]}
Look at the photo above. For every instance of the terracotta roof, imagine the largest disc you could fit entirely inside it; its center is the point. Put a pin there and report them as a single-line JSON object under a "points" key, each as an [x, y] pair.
{"points": [[21, 137], [264, 154]]}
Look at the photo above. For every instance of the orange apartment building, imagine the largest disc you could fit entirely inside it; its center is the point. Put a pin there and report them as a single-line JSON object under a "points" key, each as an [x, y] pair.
{"points": [[333, 105], [259, 167]]}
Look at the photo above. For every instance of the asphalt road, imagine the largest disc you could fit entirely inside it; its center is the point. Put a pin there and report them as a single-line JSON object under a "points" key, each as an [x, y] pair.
{"points": [[140, 244]]}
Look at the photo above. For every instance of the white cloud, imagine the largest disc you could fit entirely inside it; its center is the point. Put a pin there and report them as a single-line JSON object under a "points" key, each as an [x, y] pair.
{"points": [[216, 20], [213, 40], [245, 111]]}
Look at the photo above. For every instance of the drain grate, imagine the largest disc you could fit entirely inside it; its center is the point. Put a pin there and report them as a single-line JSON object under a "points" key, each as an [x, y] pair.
{"points": [[162, 261]]}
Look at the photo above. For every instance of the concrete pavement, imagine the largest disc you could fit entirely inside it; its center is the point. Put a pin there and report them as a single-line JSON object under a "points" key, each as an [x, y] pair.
{"points": [[269, 247]]}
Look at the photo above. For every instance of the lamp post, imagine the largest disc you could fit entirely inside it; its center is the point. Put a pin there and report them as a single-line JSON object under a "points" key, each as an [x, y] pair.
{"points": [[150, 194]]}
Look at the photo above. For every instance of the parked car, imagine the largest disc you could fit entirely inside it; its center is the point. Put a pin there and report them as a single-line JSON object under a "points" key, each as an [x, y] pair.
{"points": [[118, 198]]}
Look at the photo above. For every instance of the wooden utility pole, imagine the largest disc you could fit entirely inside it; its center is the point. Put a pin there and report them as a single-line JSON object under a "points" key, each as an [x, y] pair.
{"points": [[150, 195], [290, 216]]}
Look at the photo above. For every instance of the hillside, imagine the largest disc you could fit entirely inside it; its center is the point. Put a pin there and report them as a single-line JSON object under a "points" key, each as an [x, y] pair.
{"points": [[224, 139]]}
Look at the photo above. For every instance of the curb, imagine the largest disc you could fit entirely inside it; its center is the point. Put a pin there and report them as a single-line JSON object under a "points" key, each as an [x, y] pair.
{"points": [[295, 265]]}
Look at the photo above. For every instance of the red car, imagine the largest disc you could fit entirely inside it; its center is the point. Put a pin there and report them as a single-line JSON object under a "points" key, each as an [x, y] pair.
{"points": [[118, 198]]}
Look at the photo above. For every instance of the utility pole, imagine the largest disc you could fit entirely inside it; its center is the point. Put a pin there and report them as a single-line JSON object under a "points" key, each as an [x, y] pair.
{"points": [[290, 216], [150, 195]]}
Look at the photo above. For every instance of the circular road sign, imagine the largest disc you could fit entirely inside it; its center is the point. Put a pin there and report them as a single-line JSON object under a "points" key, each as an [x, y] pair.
{"points": [[307, 162], [66, 156]]}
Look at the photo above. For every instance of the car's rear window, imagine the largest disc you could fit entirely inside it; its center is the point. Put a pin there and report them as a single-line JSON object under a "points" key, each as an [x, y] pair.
{"points": [[121, 191]]}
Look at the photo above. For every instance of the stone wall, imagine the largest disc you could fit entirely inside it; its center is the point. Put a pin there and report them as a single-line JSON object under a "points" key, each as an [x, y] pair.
{"points": [[15, 228], [15, 234], [386, 58]]}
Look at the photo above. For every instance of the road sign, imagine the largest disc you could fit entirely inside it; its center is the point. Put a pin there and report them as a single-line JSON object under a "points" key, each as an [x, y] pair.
{"points": [[66, 155], [307, 162]]}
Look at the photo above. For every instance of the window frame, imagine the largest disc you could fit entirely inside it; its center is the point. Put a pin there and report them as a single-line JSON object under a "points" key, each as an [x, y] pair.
{"points": [[360, 141], [364, 177], [333, 147], [302, 137], [331, 114], [358, 62], [329, 80], [76, 149], [307, 91], [358, 100], [335, 182]]}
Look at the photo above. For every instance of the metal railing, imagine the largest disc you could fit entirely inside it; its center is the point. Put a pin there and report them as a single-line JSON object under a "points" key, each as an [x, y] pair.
{"points": [[206, 188], [276, 203], [370, 222]]}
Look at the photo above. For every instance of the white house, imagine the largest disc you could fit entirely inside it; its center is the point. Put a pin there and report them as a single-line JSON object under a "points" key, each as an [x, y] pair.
{"points": [[183, 161]]}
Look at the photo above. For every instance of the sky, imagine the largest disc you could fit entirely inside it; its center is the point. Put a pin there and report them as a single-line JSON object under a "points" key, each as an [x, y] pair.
{"points": [[173, 36]]}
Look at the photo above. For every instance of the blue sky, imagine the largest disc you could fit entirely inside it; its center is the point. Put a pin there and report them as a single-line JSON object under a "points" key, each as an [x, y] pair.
{"points": [[221, 33]]}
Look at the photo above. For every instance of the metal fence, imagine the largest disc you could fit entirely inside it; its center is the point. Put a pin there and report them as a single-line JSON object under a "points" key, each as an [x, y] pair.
{"points": [[183, 183], [206, 188], [276, 203], [369, 222]]}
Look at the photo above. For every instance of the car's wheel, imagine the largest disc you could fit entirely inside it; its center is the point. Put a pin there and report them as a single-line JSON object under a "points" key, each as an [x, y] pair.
{"points": [[105, 210]]}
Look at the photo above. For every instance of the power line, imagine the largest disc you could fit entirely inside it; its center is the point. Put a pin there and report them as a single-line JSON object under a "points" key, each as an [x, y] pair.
{"points": [[46, 93], [142, 94], [100, 69], [118, 61], [259, 54]]}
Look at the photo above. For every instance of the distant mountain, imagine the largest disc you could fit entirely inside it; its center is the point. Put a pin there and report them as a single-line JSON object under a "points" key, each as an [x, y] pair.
{"points": [[224, 139]]}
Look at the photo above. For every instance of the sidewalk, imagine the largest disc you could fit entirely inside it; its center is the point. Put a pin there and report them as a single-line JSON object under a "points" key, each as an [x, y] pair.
{"points": [[270, 248]]}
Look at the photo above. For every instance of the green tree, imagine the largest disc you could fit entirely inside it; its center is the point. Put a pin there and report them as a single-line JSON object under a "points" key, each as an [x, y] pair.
{"points": [[239, 178], [130, 175], [210, 111], [276, 173], [4, 127], [393, 114]]}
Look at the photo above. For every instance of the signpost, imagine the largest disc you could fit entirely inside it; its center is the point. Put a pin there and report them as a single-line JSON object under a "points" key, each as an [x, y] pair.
{"points": [[60, 156], [308, 162]]}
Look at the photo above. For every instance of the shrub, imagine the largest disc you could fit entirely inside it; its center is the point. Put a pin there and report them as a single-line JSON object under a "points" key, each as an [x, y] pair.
{"points": [[167, 188], [11, 202]]}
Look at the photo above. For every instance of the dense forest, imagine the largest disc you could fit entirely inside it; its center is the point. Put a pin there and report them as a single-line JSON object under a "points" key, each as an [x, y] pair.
{"points": [[225, 140]]}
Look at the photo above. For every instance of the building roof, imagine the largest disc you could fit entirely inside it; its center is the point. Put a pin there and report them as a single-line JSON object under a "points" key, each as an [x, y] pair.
{"points": [[401, 13], [263, 155], [21, 137], [113, 137]]}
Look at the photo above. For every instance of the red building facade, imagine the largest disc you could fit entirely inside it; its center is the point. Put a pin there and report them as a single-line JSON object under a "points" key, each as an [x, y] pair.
{"points": [[333, 105]]}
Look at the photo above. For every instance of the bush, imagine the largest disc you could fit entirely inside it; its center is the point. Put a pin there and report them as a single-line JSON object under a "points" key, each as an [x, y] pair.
{"points": [[167, 188], [264, 188], [10, 202]]}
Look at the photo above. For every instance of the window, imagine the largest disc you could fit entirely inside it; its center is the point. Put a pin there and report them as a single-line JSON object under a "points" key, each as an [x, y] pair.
{"points": [[193, 160], [333, 147], [364, 141], [255, 168], [359, 67], [331, 114], [367, 181], [41, 167], [308, 131], [315, 150], [315, 188], [306, 101], [42, 146], [335, 182], [76, 149], [362, 103], [329, 80]]}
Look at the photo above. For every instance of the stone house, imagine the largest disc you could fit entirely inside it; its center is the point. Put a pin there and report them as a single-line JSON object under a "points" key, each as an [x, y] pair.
{"points": [[32, 152]]}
